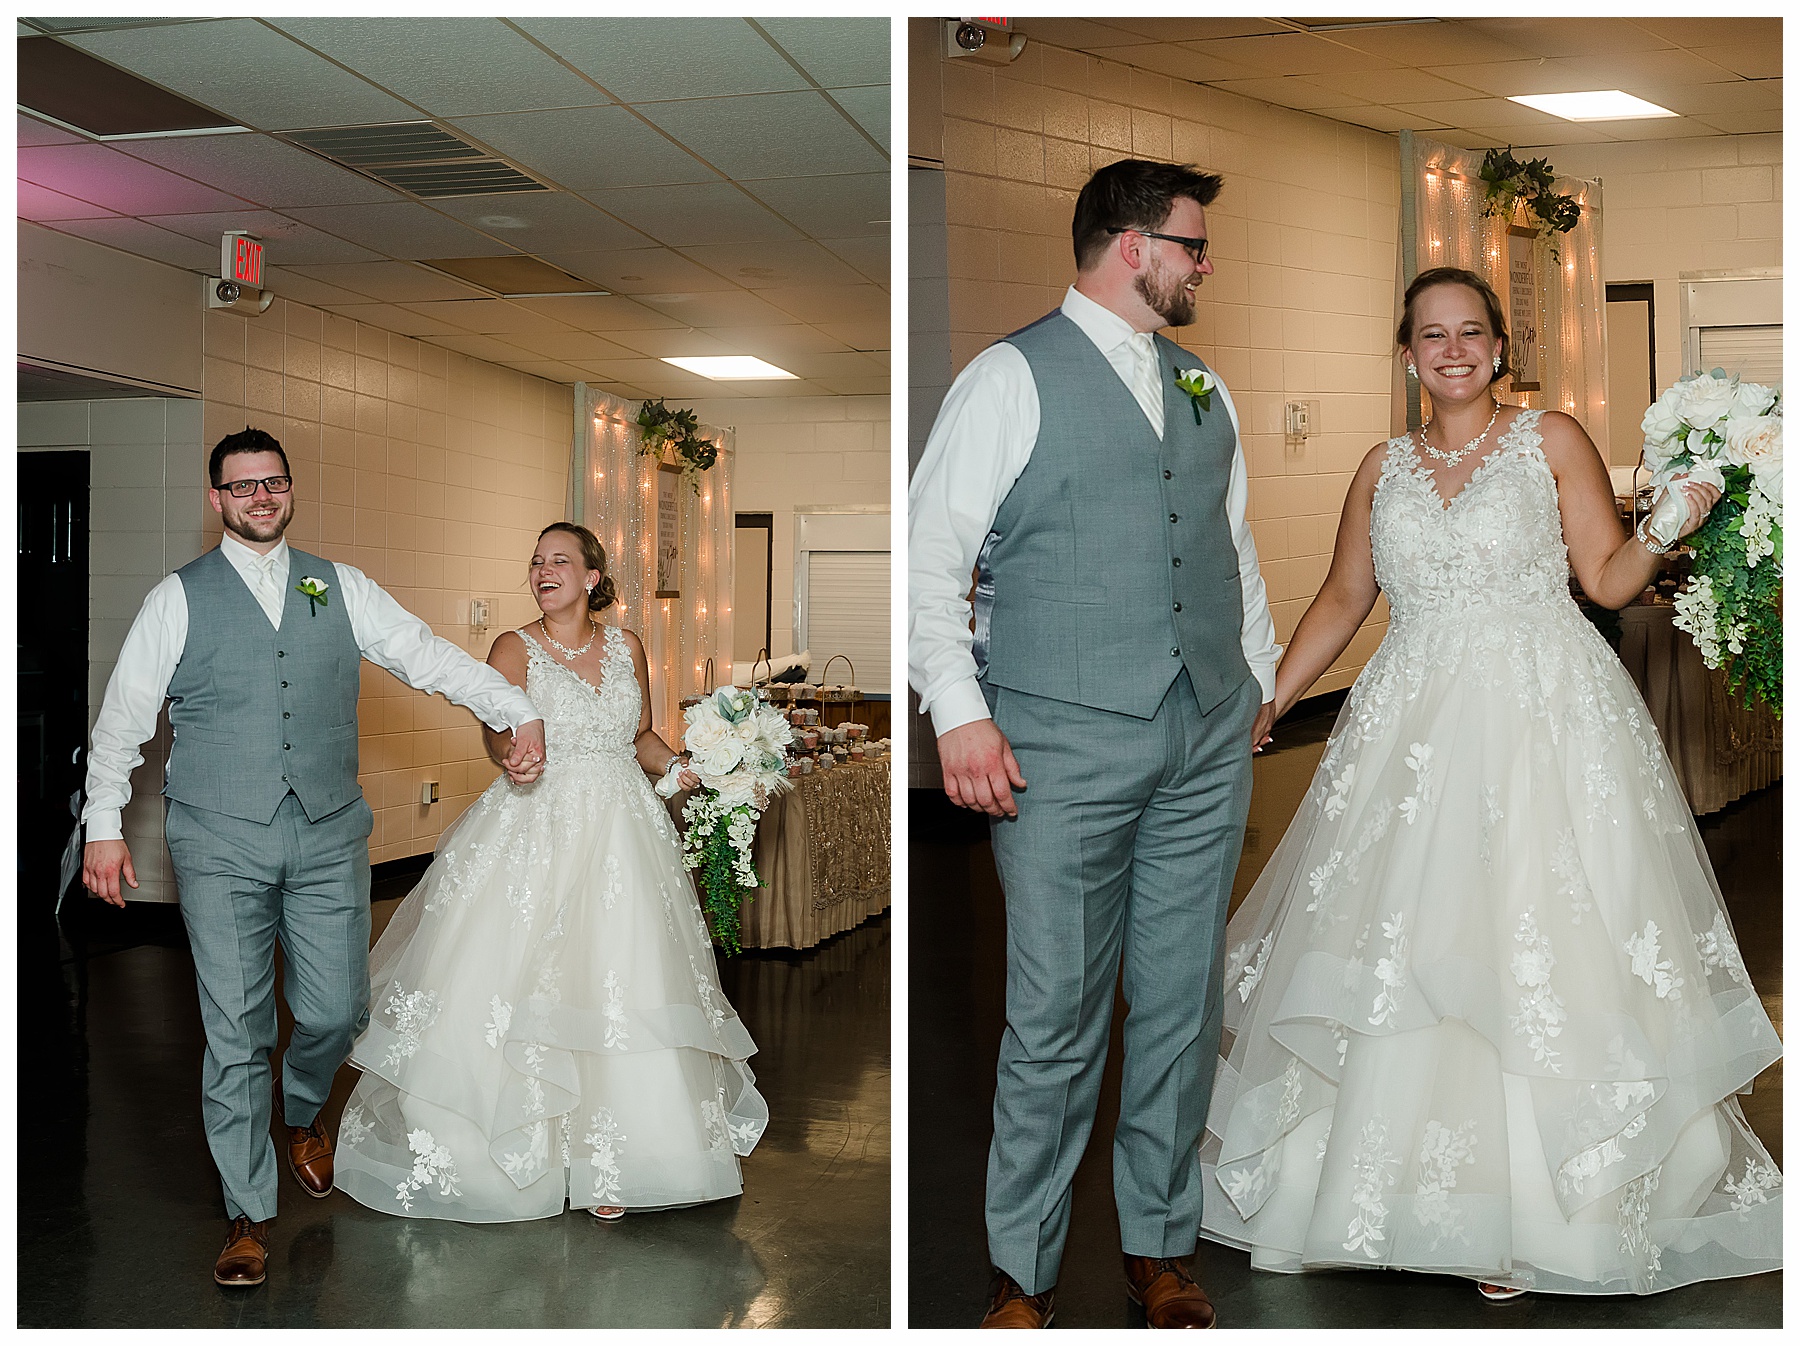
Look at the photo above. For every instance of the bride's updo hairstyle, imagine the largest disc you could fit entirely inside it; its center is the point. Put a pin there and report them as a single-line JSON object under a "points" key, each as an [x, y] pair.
{"points": [[1456, 275], [593, 557]]}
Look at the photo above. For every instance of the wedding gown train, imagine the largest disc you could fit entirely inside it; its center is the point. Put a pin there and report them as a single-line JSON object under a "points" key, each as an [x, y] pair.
{"points": [[545, 1025], [1485, 1014]]}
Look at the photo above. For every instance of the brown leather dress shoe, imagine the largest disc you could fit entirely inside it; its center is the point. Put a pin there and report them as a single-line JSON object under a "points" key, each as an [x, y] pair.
{"points": [[309, 1158], [1170, 1296], [1012, 1307], [244, 1261]]}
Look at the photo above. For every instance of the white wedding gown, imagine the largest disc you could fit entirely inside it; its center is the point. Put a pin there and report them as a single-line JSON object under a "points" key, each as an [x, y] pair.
{"points": [[545, 1025], [1485, 1014]]}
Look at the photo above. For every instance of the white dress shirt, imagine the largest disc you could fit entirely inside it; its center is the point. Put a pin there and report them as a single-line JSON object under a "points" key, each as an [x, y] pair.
{"points": [[386, 633], [981, 442]]}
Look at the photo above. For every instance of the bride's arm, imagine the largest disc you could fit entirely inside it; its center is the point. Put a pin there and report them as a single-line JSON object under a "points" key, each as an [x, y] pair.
{"points": [[1612, 566], [507, 658], [1345, 599], [653, 753]]}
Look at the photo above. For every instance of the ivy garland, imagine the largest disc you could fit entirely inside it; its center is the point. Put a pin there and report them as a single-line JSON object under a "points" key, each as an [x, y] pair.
{"points": [[678, 430], [1532, 184]]}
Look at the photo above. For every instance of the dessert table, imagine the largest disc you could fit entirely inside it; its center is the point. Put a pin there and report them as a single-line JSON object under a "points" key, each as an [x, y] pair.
{"points": [[1720, 751], [824, 850]]}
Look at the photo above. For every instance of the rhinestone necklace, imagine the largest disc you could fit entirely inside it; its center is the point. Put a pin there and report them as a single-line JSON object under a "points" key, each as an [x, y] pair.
{"points": [[1451, 457], [593, 631]]}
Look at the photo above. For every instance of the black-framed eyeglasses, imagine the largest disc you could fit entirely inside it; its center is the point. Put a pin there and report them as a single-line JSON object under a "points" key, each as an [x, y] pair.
{"points": [[1196, 246], [243, 490]]}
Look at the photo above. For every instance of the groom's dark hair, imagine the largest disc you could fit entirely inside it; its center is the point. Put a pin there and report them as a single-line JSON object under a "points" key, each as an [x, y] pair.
{"points": [[247, 440], [1134, 194]]}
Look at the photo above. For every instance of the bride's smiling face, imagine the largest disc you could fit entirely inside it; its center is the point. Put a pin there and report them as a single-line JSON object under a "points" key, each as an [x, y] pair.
{"points": [[559, 575], [1453, 343]]}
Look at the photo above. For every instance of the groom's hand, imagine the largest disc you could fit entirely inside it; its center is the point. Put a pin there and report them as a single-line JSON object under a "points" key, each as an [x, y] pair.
{"points": [[103, 863], [525, 763], [980, 771], [1259, 732]]}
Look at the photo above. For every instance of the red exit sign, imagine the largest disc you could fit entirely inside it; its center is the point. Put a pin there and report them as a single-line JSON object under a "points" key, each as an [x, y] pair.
{"points": [[241, 259]]}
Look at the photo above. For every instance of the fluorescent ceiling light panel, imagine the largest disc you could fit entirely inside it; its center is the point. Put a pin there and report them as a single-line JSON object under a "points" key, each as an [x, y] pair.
{"points": [[1597, 105], [727, 367]]}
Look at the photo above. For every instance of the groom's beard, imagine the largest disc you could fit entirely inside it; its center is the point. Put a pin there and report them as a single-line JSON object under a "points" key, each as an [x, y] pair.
{"points": [[1167, 295], [239, 522]]}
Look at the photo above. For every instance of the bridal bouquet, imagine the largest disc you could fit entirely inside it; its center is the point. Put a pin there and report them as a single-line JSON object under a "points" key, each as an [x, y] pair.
{"points": [[1721, 430], [737, 745]]}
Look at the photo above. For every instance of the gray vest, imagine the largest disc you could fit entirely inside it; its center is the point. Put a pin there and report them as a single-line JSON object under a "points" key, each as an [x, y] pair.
{"points": [[1110, 565], [258, 712]]}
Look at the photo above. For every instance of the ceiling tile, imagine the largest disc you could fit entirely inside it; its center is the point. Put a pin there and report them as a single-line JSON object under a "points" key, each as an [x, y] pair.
{"points": [[1380, 118], [735, 308], [392, 282], [1738, 95], [869, 334], [1730, 123], [764, 265], [836, 52], [1485, 112], [100, 174], [873, 257], [586, 148], [672, 341], [767, 135], [1190, 63], [651, 58], [493, 349], [601, 314], [568, 344], [249, 72], [146, 240], [1752, 61], [1295, 54], [1197, 30], [493, 317], [1557, 36], [830, 303], [40, 203], [261, 169], [1428, 45], [1291, 91], [34, 132], [448, 66], [847, 206], [288, 240], [774, 344], [1079, 34], [871, 109], [1505, 79], [693, 214], [1405, 85], [391, 318], [553, 370], [1715, 30], [541, 222], [635, 271], [306, 290], [402, 229]]}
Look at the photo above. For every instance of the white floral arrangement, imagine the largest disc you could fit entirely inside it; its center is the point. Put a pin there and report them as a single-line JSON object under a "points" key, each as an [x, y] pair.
{"points": [[737, 745], [1719, 429]]}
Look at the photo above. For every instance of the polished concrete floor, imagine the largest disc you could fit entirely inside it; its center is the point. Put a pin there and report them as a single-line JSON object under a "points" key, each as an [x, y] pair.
{"points": [[119, 1215], [956, 1010]]}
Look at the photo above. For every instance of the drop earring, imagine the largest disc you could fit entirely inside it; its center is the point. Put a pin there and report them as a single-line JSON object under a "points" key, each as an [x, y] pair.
{"points": [[1496, 364], [1412, 369]]}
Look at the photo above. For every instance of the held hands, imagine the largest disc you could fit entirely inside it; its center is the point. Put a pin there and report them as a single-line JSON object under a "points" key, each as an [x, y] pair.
{"points": [[525, 762], [980, 771], [1259, 731], [102, 864]]}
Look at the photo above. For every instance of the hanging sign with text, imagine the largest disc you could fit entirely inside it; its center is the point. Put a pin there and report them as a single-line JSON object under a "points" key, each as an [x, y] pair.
{"points": [[1522, 309], [668, 531]]}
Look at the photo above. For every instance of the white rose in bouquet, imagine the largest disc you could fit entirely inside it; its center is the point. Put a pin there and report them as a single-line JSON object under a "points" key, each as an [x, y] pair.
{"points": [[1753, 441], [1661, 423], [1768, 481], [1704, 399], [1753, 399]]}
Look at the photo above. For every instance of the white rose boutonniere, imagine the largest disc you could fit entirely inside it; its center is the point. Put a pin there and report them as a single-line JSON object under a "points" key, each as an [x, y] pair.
{"points": [[314, 589], [1198, 384]]}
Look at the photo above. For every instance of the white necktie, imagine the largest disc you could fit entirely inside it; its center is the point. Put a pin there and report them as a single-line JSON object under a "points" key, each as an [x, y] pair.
{"points": [[266, 590], [1147, 383]]}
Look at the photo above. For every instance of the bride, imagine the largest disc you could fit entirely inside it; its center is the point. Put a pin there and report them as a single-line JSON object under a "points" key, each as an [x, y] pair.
{"points": [[1485, 1015], [545, 1025]]}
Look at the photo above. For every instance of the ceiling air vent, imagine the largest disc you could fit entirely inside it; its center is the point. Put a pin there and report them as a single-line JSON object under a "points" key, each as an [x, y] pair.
{"points": [[417, 157]]}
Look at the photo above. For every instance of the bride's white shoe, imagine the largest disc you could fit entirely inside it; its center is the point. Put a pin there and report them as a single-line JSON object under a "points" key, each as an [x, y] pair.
{"points": [[608, 1212]]}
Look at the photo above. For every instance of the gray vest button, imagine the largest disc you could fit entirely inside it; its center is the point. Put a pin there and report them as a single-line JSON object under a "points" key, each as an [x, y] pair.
{"points": [[1175, 653], [1167, 475], [287, 747], [1177, 564], [1177, 608], [1174, 518]]}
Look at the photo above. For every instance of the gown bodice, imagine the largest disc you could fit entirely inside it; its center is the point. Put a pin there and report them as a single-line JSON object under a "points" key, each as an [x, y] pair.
{"points": [[583, 722]]}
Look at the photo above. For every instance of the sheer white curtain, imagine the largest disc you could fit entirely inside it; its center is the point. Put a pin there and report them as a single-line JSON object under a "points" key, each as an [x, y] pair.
{"points": [[612, 489], [1441, 217]]}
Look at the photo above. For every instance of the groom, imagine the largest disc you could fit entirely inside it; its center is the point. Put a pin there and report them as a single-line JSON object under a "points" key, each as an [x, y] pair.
{"points": [[1122, 661], [256, 646]]}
